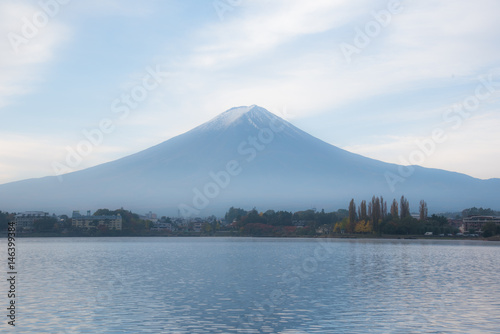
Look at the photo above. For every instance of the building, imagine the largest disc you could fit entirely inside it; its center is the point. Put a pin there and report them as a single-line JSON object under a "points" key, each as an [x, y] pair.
{"points": [[197, 226], [27, 219], [415, 215], [181, 222], [152, 217], [111, 222], [162, 225], [476, 223]]}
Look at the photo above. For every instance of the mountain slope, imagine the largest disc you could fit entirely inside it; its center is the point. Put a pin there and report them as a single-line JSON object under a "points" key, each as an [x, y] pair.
{"points": [[245, 157]]}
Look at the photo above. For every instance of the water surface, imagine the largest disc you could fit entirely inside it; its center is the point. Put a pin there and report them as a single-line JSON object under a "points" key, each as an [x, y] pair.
{"points": [[254, 285]]}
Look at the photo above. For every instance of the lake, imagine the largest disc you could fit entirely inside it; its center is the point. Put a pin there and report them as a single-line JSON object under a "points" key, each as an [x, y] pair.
{"points": [[253, 285]]}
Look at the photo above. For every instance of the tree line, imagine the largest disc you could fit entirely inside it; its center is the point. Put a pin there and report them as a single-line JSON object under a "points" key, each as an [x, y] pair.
{"points": [[369, 217], [375, 217]]}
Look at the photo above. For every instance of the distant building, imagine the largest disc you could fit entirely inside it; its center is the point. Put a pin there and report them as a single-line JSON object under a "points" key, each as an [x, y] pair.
{"points": [[112, 222], [197, 226], [477, 222], [301, 223], [415, 215], [162, 225], [27, 219], [181, 222], [152, 217]]}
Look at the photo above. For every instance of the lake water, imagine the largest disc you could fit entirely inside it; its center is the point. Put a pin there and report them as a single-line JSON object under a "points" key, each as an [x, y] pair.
{"points": [[254, 285]]}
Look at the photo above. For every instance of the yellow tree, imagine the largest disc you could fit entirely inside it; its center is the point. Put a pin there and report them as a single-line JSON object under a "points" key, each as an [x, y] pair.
{"points": [[364, 226], [394, 209], [341, 225]]}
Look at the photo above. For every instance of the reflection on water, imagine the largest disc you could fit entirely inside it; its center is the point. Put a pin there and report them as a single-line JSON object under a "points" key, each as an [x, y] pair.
{"points": [[246, 285]]}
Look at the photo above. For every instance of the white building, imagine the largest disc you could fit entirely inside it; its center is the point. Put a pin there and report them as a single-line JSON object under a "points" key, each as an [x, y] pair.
{"points": [[27, 219], [477, 222], [112, 222]]}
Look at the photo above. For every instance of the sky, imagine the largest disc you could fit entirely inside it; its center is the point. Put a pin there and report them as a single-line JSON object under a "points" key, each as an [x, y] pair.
{"points": [[407, 82]]}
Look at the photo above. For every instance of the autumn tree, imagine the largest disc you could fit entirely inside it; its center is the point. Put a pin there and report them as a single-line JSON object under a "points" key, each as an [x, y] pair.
{"points": [[423, 210], [363, 227], [394, 209], [341, 225]]}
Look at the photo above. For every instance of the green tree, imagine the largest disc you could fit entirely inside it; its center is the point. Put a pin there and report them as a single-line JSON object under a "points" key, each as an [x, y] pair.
{"points": [[341, 214], [283, 218], [375, 213], [104, 212], [5, 218], [45, 224], [394, 209], [383, 208], [404, 208], [479, 212], [362, 211], [352, 216], [490, 229], [234, 213]]}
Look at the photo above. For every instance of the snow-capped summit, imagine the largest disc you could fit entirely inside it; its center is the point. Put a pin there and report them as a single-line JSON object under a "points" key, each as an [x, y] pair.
{"points": [[229, 117], [254, 114], [246, 157]]}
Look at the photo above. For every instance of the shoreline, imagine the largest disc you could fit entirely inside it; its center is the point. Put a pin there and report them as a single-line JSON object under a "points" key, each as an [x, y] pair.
{"points": [[3, 234]]}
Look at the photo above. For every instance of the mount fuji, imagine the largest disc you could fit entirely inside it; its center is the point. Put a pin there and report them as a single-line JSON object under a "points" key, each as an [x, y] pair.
{"points": [[245, 157]]}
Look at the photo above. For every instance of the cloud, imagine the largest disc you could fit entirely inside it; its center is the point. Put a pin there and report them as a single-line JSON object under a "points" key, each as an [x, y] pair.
{"points": [[114, 8], [25, 156], [27, 42], [262, 28], [473, 148], [260, 53]]}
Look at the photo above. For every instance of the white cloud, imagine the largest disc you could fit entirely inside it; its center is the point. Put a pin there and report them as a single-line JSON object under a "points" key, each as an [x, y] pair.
{"points": [[25, 49], [263, 27], [25, 156], [244, 58], [114, 8], [473, 148]]}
